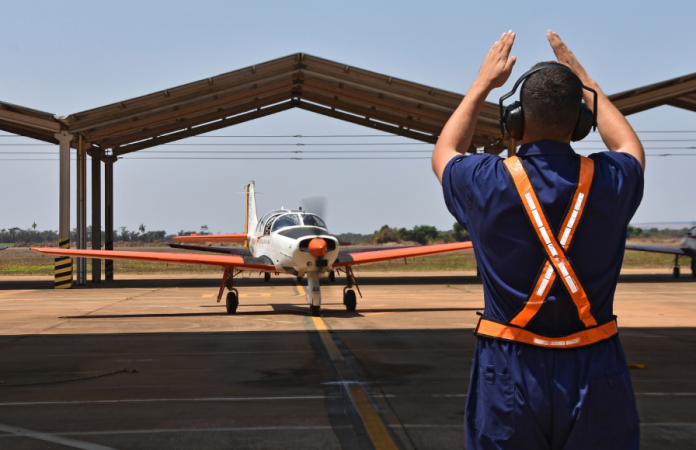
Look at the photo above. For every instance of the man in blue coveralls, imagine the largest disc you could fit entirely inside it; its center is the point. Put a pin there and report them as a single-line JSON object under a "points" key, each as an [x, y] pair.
{"points": [[548, 228]]}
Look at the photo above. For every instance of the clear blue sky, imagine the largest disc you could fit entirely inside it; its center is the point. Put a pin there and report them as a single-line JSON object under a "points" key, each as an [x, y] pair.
{"points": [[65, 57]]}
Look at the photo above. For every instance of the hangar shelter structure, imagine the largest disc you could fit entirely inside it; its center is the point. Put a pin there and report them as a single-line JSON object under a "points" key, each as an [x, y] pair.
{"points": [[318, 85]]}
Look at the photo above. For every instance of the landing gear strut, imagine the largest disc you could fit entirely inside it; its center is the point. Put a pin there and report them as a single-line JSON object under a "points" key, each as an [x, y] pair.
{"points": [[314, 293], [675, 270], [693, 266], [267, 277], [332, 276]]}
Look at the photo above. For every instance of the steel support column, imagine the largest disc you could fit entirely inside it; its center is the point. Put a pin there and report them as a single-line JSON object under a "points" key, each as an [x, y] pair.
{"points": [[63, 265], [81, 210], [109, 216], [96, 212]]}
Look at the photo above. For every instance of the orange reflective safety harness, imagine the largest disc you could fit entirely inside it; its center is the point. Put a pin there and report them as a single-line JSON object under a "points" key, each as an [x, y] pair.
{"points": [[556, 265]]}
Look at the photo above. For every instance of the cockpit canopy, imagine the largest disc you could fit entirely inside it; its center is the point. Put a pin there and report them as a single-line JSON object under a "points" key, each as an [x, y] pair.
{"points": [[283, 218]]}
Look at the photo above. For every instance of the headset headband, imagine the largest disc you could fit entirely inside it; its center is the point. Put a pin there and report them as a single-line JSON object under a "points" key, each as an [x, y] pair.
{"points": [[532, 71]]}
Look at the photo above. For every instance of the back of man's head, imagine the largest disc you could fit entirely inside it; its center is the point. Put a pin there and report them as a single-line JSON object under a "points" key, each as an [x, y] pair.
{"points": [[551, 100]]}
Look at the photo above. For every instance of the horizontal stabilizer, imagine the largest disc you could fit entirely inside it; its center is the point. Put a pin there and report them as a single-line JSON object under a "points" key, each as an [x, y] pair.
{"points": [[225, 250], [212, 238], [189, 259], [368, 257]]}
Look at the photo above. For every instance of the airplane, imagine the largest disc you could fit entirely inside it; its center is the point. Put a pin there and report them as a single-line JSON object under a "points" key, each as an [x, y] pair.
{"points": [[688, 248], [4, 248], [285, 241]]}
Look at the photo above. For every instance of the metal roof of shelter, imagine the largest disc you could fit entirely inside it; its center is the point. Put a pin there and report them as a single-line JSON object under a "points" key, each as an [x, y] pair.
{"points": [[679, 92], [301, 81]]}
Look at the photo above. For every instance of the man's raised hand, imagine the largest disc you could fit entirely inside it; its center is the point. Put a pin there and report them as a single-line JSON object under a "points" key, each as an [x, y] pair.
{"points": [[498, 64], [566, 57]]}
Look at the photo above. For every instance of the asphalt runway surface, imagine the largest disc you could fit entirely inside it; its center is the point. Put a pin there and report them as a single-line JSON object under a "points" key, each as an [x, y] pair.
{"points": [[155, 362]]}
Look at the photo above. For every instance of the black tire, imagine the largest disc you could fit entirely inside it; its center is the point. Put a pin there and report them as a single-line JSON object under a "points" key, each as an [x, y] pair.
{"points": [[332, 276], [350, 300], [231, 302], [675, 272], [267, 277], [314, 310], [693, 267]]}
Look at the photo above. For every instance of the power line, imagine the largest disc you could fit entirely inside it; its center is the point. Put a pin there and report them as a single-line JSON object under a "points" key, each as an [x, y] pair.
{"points": [[286, 159]]}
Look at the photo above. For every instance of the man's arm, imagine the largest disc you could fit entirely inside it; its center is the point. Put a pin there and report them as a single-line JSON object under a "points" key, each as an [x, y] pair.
{"points": [[616, 132], [457, 134]]}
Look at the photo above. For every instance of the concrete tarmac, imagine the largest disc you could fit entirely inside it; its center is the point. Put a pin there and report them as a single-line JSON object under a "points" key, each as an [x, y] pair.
{"points": [[155, 362]]}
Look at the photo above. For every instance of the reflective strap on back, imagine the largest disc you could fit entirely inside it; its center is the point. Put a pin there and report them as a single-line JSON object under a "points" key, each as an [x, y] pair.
{"points": [[589, 336], [554, 251]]}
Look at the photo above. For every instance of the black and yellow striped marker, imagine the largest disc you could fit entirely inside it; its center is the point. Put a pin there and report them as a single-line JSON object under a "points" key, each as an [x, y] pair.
{"points": [[63, 268]]}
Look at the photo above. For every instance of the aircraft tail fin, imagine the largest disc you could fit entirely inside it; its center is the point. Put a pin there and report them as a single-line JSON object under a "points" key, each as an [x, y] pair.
{"points": [[251, 218]]}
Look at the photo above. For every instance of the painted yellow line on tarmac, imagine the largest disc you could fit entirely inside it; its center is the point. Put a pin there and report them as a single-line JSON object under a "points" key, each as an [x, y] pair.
{"points": [[300, 290], [329, 343], [207, 295], [379, 435], [374, 425]]}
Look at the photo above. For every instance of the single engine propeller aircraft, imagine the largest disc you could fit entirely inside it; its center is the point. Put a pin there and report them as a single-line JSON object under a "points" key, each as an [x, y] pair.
{"points": [[286, 241], [688, 248]]}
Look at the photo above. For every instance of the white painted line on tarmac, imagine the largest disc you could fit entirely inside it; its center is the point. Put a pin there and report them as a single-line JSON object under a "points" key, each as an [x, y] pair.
{"points": [[667, 394], [238, 429], [15, 431], [159, 400]]}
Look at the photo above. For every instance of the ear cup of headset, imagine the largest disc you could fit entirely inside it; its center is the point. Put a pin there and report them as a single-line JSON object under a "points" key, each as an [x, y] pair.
{"points": [[584, 124], [513, 119]]}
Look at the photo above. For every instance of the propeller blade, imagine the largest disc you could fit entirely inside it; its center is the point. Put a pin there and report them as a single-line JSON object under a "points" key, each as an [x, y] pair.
{"points": [[315, 205]]}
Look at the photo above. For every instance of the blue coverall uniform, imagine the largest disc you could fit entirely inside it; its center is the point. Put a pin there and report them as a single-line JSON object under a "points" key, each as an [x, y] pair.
{"points": [[527, 397]]}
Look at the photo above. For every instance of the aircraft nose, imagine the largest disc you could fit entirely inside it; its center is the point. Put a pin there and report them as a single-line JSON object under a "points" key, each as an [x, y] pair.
{"points": [[318, 247]]}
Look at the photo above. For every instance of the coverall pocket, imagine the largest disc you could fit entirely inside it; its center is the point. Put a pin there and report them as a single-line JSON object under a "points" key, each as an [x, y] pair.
{"points": [[611, 408], [495, 404]]}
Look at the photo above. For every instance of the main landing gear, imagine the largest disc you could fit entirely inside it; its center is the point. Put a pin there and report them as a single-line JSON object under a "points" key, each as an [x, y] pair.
{"points": [[349, 298], [676, 269], [266, 277], [232, 299]]}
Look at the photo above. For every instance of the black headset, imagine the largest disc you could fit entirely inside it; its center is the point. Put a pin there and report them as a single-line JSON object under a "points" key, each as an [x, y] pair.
{"points": [[512, 117]]}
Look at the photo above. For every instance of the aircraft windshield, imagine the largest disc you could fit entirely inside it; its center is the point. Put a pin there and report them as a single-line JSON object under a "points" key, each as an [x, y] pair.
{"points": [[287, 220], [313, 221]]}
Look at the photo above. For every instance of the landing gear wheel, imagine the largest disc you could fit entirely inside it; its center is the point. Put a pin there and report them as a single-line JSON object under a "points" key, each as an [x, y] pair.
{"points": [[349, 300], [332, 276], [675, 272], [267, 277], [314, 310], [693, 267], [232, 302]]}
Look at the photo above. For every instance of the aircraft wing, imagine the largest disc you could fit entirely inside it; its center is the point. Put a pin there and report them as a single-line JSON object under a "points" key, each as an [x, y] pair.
{"points": [[3, 248], [650, 248], [356, 258], [225, 261], [225, 250], [212, 238]]}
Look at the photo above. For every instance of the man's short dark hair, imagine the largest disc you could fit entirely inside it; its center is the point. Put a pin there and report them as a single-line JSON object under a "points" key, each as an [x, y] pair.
{"points": [[551, 100]]}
